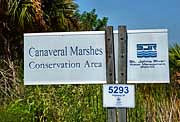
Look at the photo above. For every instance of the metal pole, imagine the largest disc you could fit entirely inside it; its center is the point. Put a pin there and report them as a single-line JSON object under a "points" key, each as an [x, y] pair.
{"points": [[122, 66], [110, 67]]}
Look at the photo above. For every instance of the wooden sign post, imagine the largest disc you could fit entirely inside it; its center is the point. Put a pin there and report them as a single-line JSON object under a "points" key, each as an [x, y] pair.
{"points": [[122, 66], [110, 66]]}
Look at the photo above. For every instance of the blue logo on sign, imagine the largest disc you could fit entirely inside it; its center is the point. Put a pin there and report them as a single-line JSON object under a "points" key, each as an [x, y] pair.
{"points": [[146, 50]]}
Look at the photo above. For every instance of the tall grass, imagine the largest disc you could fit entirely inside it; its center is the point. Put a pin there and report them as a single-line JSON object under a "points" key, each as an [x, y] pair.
{"points": [[156, 103], [10, 80]]}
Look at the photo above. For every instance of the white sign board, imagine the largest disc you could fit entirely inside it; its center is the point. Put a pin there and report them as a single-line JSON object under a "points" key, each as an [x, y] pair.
{"points": [[79, 57], [148, 60], [64, 58], [116, 95]]}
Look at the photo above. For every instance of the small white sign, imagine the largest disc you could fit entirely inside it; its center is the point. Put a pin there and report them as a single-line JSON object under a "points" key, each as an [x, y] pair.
{"points": [[64, 58], [118, 95], [148, 60]]}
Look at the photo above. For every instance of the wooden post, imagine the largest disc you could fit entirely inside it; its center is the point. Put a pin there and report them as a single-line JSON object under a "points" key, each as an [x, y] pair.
{"points": [[122, 66], [110, 66]]}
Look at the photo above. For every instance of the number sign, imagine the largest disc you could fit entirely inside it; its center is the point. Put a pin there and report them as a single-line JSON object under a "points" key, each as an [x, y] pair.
{"points": [[118, 96]]}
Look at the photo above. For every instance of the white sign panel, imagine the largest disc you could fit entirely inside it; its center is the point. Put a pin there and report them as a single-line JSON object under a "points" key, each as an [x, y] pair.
{"points": [[147, 56], [116, 95], [64, 58]]}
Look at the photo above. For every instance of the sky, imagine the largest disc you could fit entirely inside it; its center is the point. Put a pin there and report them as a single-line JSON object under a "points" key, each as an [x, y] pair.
{"points": [[138, 14]]}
